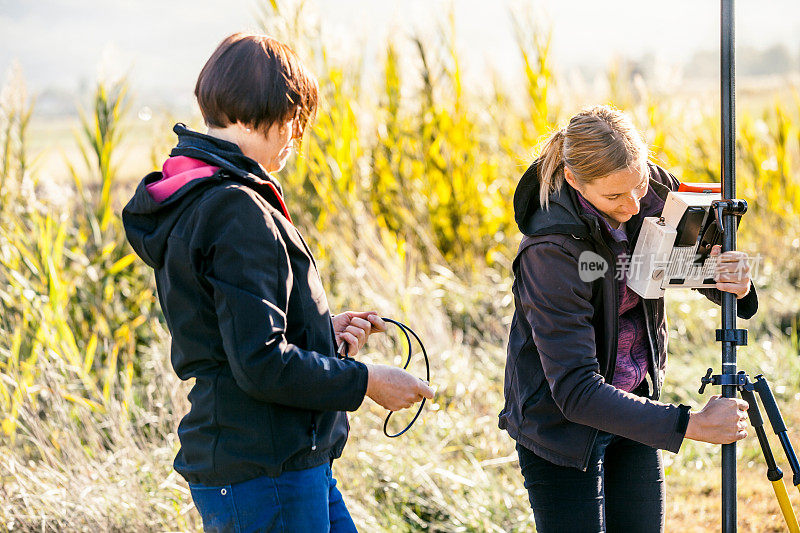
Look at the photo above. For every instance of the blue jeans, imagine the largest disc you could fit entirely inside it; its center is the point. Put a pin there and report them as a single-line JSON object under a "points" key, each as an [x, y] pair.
{"points": [[297, 501], [622, 489]]}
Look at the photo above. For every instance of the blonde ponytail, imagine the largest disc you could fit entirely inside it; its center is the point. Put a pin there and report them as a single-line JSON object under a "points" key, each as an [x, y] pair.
{"points": [[551, 167]]}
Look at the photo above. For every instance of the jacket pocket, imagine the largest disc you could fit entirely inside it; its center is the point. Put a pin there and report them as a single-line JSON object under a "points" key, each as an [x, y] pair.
{"points": [[534, 393]]}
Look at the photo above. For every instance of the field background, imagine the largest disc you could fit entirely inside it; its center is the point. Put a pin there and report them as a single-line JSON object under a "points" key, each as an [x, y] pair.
{"points": [[403, 188]]}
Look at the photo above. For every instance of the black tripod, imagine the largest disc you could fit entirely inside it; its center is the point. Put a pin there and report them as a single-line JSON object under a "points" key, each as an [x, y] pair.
{"points": [[748, 390], [728, 210]]}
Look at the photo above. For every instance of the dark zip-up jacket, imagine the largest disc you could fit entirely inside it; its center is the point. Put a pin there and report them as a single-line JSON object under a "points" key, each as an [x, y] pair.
{"points": [[249, 321], [563, 342]]}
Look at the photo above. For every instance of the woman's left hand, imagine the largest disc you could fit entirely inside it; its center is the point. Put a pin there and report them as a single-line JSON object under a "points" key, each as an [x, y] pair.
{"points": [[733, 271], [354, 328]]}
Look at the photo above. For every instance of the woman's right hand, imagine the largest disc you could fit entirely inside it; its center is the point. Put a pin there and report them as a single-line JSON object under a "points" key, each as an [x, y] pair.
{"points": [[394, 388], [721, 421]]}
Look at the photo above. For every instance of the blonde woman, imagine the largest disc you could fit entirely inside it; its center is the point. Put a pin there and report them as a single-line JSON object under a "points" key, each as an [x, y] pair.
{"points": [[586, 359]]}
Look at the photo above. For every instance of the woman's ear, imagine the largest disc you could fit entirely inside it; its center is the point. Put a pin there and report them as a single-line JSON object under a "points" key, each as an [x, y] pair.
{"points": [[243, 128], [570, 178]]}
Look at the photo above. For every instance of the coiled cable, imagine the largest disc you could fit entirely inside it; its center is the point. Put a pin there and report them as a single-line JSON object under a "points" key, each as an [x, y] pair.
{"points": [[406, 330]]}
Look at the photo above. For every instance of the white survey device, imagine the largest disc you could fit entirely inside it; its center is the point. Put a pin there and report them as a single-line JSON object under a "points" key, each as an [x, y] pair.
{"points": [[674, 250]]}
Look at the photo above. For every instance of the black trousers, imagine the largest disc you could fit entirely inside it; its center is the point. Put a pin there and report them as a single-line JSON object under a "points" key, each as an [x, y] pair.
{"points": [[621, 491]]}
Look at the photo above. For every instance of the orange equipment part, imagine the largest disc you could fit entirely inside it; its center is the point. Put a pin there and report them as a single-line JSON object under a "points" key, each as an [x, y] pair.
{"points": [[700, 187]]}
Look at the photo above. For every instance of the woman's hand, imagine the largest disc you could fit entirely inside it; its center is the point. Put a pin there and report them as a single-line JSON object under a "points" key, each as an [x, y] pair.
{"points": [[733, 271], [394, 388], [722, 421], [354, 328]]}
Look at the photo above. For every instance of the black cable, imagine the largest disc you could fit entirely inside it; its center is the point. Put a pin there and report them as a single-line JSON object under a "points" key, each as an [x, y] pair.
{"points": [[406, 330]]}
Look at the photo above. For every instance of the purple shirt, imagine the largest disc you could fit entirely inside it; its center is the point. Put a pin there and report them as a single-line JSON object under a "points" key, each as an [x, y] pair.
{"points": [[632, 349]]}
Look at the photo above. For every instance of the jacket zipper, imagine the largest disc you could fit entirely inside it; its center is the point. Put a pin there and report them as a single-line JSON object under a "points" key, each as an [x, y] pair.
{"points": [[595, 234], [655, 371], [313, 432], [615, 293], [589, 449]]}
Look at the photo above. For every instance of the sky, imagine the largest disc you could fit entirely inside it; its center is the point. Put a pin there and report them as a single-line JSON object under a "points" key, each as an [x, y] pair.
{"points": [[61, 44]]}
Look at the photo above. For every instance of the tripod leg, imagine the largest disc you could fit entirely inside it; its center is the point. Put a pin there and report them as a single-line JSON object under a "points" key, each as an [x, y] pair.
{"points": [[771, 407], [785, 505], [774, 473]]}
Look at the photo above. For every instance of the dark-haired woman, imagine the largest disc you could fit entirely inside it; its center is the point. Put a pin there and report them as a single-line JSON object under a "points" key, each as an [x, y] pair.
{"points": [[586, 357], [246, 309]]}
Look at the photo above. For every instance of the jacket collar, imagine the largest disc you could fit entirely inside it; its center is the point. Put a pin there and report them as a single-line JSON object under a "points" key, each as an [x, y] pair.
{"points": [[220, 153]]}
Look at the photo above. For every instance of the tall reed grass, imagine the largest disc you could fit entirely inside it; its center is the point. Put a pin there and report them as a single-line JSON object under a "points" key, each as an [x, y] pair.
{"points": [[404, 190]]}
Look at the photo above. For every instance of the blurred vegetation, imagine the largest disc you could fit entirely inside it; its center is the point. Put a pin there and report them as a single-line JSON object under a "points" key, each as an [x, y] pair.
{"points": [[405, 190]]}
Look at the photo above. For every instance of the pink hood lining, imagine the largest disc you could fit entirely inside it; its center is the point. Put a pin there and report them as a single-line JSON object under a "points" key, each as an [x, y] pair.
{"points": [[179, 170]]}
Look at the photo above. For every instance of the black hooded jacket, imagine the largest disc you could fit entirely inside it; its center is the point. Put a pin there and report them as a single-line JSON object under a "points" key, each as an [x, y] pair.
{"points": [[562, 346], [249, 321]]}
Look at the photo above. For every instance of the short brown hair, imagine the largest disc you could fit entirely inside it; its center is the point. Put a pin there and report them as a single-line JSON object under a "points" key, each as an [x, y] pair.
{"points": [[258, 81]]}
